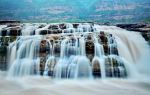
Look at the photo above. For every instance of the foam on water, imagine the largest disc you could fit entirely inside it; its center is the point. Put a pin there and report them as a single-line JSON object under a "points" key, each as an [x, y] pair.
{"points": [[35, 85]]}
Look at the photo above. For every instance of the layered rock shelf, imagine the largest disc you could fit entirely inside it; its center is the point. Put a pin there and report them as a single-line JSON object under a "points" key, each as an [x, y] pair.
{"points": [[98, 44]]}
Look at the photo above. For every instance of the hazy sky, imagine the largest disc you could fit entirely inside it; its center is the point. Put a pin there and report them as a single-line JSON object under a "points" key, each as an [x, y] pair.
{"points": [[76, 9]]}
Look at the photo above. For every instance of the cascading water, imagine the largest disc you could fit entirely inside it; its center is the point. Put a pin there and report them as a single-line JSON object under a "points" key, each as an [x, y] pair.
{"points": [[132, 48], [50, 62], [72, 55], [99, 57], [73, 63], [28, 29], [24, 60]]}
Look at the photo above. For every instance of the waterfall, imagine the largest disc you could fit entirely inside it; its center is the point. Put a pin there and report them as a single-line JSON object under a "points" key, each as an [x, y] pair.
{"points": [[28, 29], [72, 62], [82, 51], [132, 47], [26, 61], [99, 57], [50, 62]]}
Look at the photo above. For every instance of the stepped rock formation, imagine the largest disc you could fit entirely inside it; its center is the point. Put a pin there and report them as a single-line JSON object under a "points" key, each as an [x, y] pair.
{"points": [[69, 50]]}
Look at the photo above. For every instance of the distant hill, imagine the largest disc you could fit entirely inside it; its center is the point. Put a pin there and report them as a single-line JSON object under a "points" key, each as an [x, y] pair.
{"points": [[115, 11]]}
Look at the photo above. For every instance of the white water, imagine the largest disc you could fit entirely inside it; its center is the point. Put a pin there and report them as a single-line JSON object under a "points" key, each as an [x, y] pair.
{"points": [[23, 54], [73, 62], [132, 47], [28, 29], [24, 59], [99, 57], [46, 86]]}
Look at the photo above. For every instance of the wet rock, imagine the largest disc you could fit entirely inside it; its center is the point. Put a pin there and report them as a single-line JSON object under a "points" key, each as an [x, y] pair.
{"points": [[57, 49], [41, 26], [130, 26], [134, 27], [54, 27], [103, 37], [15, 32], [4, 33], [96, 69], [62, 26], [75, 25], [106, 49], [9, 22], [43, 46], [89, 47], [43, 32]]}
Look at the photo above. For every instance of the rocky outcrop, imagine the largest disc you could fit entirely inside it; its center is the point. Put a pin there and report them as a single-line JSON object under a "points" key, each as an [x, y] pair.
{"points": [[144, 29]]}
